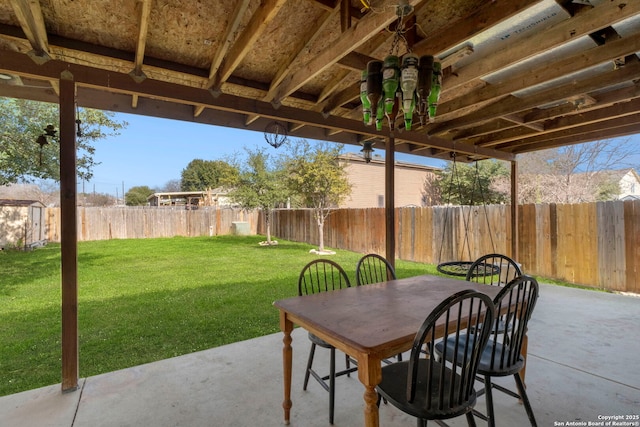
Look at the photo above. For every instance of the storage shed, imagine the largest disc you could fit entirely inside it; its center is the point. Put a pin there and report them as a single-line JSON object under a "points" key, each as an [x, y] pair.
{"points": [[21, 224]]}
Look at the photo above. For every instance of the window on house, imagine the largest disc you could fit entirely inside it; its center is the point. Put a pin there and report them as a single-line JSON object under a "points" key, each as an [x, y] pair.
{"points": [[380, 200]]}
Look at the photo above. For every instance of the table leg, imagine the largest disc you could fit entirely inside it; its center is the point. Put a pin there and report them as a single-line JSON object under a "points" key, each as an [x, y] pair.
{"points": [[370, 375], [287, 361]]}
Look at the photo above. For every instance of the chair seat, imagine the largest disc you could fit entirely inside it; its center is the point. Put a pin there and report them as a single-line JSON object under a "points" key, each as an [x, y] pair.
{"points": [[318, 341], [487, 366], [393, 387]]}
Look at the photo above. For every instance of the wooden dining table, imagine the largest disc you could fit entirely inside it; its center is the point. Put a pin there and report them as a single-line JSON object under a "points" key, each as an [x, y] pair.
{"points": [[369, 323]]}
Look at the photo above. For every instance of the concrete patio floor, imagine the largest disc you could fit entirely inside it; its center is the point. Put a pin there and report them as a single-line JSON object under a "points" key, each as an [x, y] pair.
{"points": [[584, 348]]}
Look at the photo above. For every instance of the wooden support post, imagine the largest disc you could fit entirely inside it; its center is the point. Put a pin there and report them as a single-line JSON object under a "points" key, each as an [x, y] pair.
{"points": [[389, 200], [68, 232], [515, 234]]}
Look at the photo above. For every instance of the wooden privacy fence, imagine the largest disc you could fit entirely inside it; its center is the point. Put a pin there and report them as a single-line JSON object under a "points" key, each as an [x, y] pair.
{"points": [[96, 223], [593, 244]]}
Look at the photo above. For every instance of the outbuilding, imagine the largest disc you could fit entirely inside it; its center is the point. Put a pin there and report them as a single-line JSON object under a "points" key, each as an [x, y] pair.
{"points": [[22, 224]]}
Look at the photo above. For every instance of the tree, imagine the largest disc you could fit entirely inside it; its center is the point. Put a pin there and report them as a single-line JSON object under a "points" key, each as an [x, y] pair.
{"points": [[472, 184], [97, 199], [199, 175], [431, 195], [22, 122], [137, 196], [573, 174], [259, 185], [315, 173], [171, 186]]}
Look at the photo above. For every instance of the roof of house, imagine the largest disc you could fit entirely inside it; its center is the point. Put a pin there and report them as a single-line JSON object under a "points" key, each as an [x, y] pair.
{"points": [[377, 160], [518, 75]]}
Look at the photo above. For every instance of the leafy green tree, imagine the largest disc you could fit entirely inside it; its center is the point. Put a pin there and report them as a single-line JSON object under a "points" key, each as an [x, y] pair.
{"points": [[471, 184], [317, 176], [137, 196], [22, 122], [259, 185], [199, 175]]}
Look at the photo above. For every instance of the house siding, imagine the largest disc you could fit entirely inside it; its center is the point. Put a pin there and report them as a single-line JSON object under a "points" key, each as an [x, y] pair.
{"points": [[368, 183]]}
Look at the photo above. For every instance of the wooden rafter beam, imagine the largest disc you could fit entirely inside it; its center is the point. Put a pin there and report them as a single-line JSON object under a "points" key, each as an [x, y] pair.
{"points": [[599, 17], [172, 93], [615, 129], [496, 132], [623, 114], [488, 15], [243, 44], [29, 15], [144, 11], [348, 41], [520, 121], [293, 60], [546, 72], [234, 22], [514, 104]]}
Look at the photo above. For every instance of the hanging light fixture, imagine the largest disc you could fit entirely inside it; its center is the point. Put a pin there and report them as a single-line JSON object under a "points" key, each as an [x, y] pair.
{"points": [[407, 87], [49, 131], [367, 150]]}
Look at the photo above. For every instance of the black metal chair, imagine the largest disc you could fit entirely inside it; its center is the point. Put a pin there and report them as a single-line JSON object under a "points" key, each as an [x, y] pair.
{"points": [[374, 268], [429, 388], [502, 354], [493, 269], [322, 275]]}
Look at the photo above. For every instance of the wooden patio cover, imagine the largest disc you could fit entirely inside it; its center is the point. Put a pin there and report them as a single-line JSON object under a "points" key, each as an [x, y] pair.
{"points": [[518, 76]]}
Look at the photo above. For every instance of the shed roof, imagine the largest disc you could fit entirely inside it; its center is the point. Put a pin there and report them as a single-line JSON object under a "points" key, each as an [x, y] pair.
{"points": [[519, 75], [19, 203]]}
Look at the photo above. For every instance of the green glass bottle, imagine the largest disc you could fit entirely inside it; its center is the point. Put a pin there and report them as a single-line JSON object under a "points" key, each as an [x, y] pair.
{"points": [[366, 105], [425, 78], [408, 83], [380, 114], [390, 81], [374, 84], [436, 87]]}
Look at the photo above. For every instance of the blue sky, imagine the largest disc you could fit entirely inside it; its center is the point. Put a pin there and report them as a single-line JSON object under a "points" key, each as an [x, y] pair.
{"points": [[153, 151]]}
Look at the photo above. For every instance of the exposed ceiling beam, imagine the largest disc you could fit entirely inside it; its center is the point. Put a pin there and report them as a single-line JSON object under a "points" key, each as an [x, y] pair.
{"points": [[144, 7], [617, 128], [29, 15], [544, 73], [599, 17], [580, 118], [293, 60], [174, 93], [489, 14], [495, 132], [234, 22], [347, 42], [514, 104], [263, 16]]}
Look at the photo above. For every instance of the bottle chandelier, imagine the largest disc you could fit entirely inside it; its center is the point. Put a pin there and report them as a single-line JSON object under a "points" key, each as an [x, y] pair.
{"points": [[392, 87]]}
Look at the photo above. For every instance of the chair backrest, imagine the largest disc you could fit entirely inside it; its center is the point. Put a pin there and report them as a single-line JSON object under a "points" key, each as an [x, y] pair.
{"points": [[322, 275], [514, 305], [450, 386], [373, 268], [493, 269]]}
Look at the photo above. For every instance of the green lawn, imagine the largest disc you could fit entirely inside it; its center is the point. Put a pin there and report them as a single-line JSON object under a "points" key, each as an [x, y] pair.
{"points": [[145, 300]]}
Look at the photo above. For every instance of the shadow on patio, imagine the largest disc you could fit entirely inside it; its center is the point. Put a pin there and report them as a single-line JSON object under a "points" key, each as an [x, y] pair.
{"points": [[582, 365]]}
